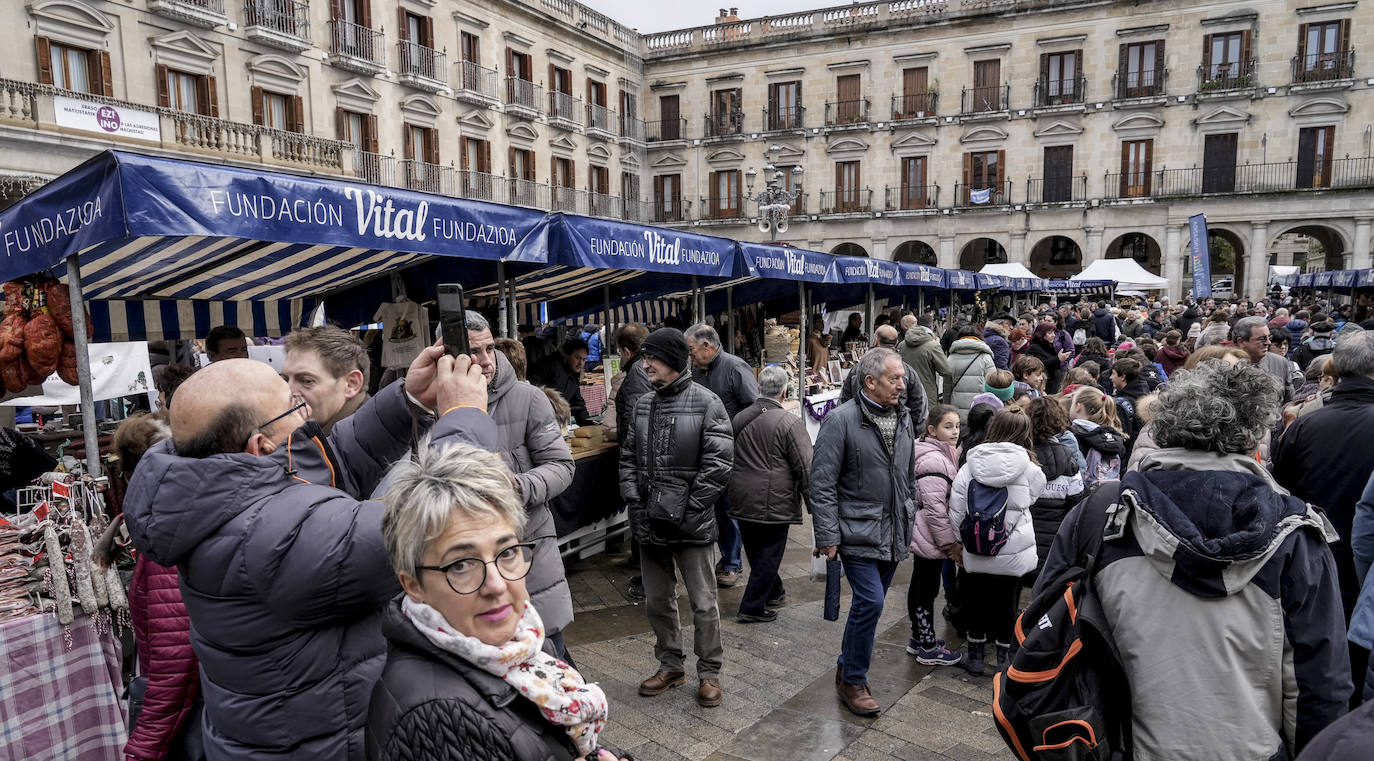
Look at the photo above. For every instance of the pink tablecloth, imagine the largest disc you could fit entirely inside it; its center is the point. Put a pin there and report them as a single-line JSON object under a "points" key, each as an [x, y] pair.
{"points": [[594, 396], [59, 704]]}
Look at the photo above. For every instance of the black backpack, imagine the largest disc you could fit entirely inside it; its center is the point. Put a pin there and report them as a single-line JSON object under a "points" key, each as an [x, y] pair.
{"points": [[1065, 694]]}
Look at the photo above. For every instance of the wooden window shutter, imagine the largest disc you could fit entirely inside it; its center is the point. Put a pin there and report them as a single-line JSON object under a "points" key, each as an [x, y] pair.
{"points": [[106, 73], [402, 28], [1149, 163], [1125, 159], [364, 12], [1078, 68], [432, 145], [297, 114], [486, 157], [553, 78], [1001, 170], [371, 137], [510, 62], [410, 141], [658, 189], [341, 127], [1302, 45], [1123, 63], [209, 95], [909, 82], [1345, 37], [1045, 66], [968, 170], [336, 9], [428, 26], [44, 50], [1245, 40], [1159, 64], [255, 95], [510, 163], [1207, 55]]}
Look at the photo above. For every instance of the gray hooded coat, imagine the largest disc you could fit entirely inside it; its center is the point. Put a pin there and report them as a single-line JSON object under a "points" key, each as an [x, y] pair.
{"points": [[284, 574]]}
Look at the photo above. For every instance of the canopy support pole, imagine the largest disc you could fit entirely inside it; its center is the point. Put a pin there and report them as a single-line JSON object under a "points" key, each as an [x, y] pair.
{"points": [[696, 302], [869, 306], [608, 345], [83, 366], [503, 316], [920, 302], [513, 311], [802, 333], [730, 318]]}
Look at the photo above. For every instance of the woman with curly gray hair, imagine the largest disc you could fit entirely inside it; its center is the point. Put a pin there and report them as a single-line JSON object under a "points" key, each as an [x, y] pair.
{"points": [[1217, 584]]}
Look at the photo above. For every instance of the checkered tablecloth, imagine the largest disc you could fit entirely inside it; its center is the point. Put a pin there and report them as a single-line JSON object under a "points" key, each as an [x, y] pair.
{"points": [[58, 704], [594, 396]]}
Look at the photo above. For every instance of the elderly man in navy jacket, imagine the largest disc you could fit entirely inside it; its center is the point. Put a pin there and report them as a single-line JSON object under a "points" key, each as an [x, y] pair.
{"points": [[280, 552]]}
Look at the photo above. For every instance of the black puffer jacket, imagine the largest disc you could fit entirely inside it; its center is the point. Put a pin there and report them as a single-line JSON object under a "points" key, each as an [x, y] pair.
{"points": [[635, 385], [1063, 490], [430, 705], [692, 448]]}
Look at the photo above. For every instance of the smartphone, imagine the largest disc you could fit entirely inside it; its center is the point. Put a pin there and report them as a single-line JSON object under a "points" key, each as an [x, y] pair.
{"points": [[452, 320]]}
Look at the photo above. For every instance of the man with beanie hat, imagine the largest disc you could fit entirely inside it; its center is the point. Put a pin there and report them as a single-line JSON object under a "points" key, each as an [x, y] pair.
{"points": [[676, 455]]}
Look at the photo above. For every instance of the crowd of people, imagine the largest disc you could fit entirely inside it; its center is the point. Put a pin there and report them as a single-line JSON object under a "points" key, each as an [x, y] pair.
{"points": [[325, 573]]}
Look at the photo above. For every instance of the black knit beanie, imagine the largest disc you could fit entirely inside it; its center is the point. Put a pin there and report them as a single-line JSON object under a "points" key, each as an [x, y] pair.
{"points": [[668, 345]]}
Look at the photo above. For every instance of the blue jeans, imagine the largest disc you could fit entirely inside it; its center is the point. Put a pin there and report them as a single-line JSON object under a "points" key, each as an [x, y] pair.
{"points": [[869, 580], [730, 543]]}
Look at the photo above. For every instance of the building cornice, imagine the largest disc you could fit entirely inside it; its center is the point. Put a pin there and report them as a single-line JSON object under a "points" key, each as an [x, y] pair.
{"points": [[1000, 47], [844, 65], [464, 18], [1232, 20], [1142, 31], [1329, 8]]}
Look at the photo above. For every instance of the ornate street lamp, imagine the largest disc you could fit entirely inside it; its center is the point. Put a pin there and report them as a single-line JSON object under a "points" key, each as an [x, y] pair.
{"points": [[775, 202]]}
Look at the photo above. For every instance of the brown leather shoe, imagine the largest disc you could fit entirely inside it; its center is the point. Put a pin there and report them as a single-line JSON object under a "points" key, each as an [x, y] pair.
{"points": [[708, 693], [858, 699], [661, 682]]}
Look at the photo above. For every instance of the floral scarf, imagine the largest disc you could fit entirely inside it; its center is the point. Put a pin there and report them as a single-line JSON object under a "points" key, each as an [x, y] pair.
{"points": [[553, 685]]}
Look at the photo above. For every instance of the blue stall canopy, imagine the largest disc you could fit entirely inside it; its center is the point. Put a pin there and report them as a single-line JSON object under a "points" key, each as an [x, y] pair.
{"points": [[1079, 286], [856, 270], [1364, 280], [921, 275], [1323, 279], [1305, 279], [577, 241], [786, 263], [960, 280], [1344, 278], [986, 282]]}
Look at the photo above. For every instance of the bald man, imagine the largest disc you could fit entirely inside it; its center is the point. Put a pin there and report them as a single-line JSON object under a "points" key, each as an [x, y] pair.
{"points": [[913, 396], [281, 558]]}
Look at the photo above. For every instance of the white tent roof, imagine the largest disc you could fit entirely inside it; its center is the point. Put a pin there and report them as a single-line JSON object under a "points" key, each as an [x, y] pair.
{"points": [[1007, 270], [1127, 273]]}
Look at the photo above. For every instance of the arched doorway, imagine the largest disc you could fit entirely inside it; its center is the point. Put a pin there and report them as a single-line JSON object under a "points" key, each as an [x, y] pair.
{"points": [[1137, 246], [980, 251], [1312, 247], [915, 252], [849, 249], [1226, 256], [1056, 257]]}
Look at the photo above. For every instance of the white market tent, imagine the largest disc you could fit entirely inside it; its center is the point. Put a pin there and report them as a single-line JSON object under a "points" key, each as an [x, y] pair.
{"points": [[1007, 270], [1127, 273]]}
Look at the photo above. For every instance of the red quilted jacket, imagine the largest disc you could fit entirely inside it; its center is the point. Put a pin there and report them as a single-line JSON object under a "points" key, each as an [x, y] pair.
{"points": [[162, 633]]}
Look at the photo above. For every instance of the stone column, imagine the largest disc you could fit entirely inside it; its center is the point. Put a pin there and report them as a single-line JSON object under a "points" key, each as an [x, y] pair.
{"points": [[1094, 251], [1173, 262], [1016, 252], [1257, 260], [949, 258], [1360, 259]]}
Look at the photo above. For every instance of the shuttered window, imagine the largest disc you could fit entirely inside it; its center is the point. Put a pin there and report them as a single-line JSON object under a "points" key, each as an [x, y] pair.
{"points": [[1219, 163], [193, 93], [725, 199], [1137, 157], [1058, 181], [1140, 69], [1323, 50], [472, 47], [784, 105], [1315, 147], [913, 189]]}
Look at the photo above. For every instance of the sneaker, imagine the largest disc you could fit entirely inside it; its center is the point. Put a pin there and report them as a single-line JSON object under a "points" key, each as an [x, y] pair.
{"points": [[934, 655], [635, 589], [727, 579], [777, 602], [767, 616]]}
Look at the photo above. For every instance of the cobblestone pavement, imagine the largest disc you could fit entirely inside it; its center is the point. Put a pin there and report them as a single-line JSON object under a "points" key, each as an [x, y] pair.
{"points": [[780, 702]]}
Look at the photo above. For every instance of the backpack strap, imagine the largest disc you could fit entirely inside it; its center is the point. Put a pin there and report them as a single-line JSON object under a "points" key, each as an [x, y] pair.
{"points": [[1093, 518]]}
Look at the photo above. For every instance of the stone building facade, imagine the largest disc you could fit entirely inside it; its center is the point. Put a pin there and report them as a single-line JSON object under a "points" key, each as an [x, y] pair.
{"points": [[955, 132]]}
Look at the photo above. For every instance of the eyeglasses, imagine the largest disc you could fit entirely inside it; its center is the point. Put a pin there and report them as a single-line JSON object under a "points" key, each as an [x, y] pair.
{"points": [[297, 404], [467, 575]]}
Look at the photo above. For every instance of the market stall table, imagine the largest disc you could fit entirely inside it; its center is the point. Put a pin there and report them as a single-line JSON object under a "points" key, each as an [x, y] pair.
{"points": [[59, 703], [590, 511], [594, 396]]}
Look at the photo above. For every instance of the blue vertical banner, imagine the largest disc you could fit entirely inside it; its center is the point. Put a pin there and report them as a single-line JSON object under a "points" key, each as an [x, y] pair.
{"points": [[1202, 256]]}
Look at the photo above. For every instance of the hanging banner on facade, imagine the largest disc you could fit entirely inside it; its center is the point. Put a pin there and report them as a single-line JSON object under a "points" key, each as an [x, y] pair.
{"points": [[786, 263], [107, 120], [1201, 255], [980, 196]]}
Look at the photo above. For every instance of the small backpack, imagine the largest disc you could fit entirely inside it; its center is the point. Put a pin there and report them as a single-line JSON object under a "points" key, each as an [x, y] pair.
{"points": [[1080, 337], [1065, 694], [984, 530], [1100, 467]]}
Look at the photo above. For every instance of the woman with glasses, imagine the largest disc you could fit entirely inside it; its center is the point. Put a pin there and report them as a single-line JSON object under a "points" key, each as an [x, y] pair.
{"points": [[467, 673]]}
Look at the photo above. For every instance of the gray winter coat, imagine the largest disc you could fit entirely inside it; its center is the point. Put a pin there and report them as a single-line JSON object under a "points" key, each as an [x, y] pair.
{"points": [[970, 360], [284, 574], [731, 379], [913, 398], [921, 349], [532, 446], [692, 447], [861, 497]]}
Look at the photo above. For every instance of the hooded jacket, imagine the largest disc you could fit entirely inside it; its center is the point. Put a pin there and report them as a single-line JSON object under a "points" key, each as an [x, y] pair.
{"points": [[936, 467], [1319, 344], [1189, 318], [970, 360], [1000, 346], [1001, 464], [1105, 326], [283, 573], [1105, 440], [162, 634], [1222, 601], [684, 430], [921, 350], [1296, 329], [532, 446], [1063, 490], [1171, 358], [635, 385]]}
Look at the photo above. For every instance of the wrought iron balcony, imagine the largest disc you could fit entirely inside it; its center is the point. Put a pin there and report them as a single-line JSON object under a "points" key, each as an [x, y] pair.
{"points": [[973, 196], [603, 205], [985, 99], [522, 98], [631, 129], [374, 168], [1142, 83], [1060, 92], [723, 207], [665, 131], [842, 112], [428, 178], [528, 193], [568, 200], [911, 197], [722, 123], [1348, 173], [282, 24], [480, 186], [1057, 189], [475, 83], [601, 122], [1220, 77], [203, 13], [846, 201], [784, 118], [667, 210], [917, 106], [356, 48], [421, 67], [1323, 67], [564, 110]]}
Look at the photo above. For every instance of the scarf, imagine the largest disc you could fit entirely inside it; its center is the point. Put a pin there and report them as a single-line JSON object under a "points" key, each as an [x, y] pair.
{"points": [[883, 418], [559, 691]]}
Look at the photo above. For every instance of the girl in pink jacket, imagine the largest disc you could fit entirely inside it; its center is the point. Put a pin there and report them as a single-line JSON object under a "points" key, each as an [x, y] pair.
{"points": [[933, 539]]}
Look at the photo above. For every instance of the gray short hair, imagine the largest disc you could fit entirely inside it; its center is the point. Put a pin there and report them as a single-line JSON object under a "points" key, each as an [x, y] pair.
{"points": [[473, 322], [1354, 356], [873, 362], [1246, 325], [704, 334], [1217, 407], [439, 484], [772, 380]]}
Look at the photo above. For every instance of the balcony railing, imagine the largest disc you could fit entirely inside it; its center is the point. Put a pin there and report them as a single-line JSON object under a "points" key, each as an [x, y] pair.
{"points": [[603, 205], [631, 128], [356, 42], [1323, 67], [528, 193], [1278, 177], [842, 112], [636, 210], [219, 135], [911, 197], [568, 200], [204, 13], [917, 106], [480, 186], [565, 107], [428, 178], [418, 62], [665, 130], [783, 118], [374, 168], [601, 119], [974, 196], [1060, 189], [282, 23], [1059, 92], [799, 206], [475, 81], [667, 210], [723, 207], [982, 99], [846, 201], [1142, 83], [721, 123], [299, 148], [523, 94], [1233, 75]]}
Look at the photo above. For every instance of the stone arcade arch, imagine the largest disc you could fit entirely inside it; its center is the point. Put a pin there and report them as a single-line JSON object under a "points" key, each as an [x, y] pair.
{"points": [[1056, 257], [1310, 246], [915, 252], [1139, 246], [849, 249], [981, 251]]}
